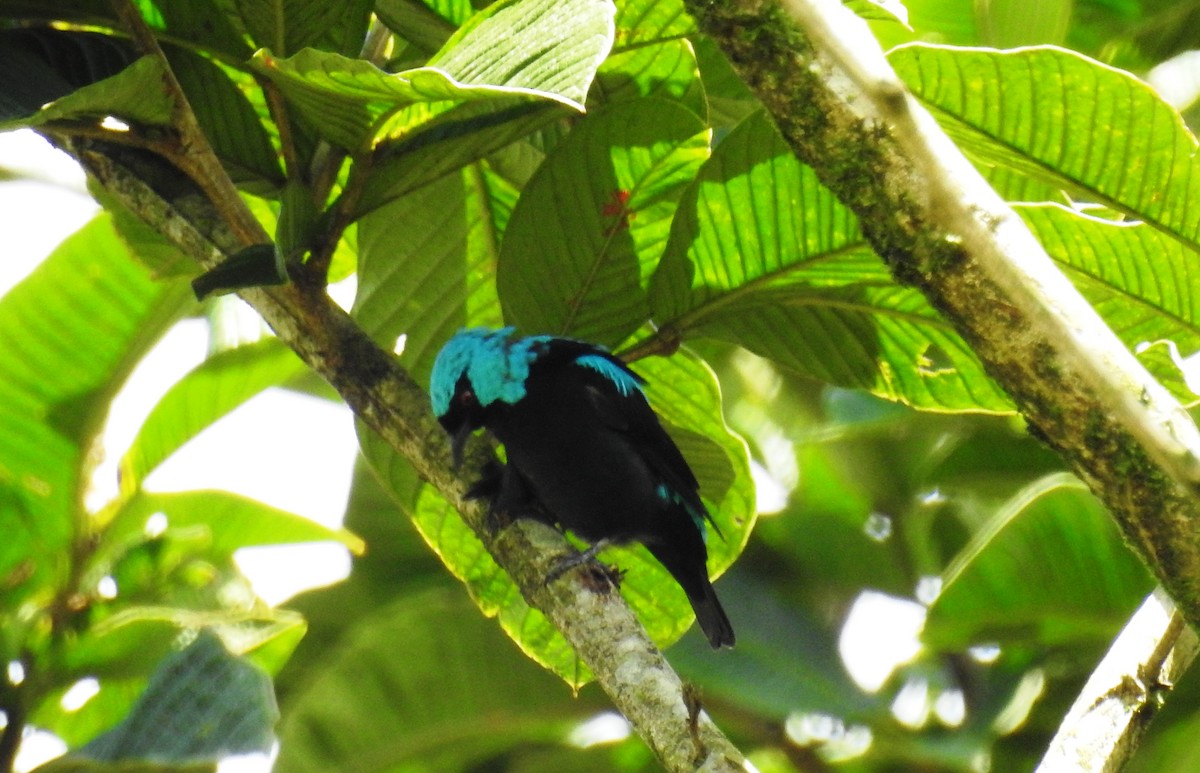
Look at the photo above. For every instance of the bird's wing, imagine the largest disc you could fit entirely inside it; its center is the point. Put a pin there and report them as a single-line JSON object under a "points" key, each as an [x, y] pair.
{"points": [[615, 392]]}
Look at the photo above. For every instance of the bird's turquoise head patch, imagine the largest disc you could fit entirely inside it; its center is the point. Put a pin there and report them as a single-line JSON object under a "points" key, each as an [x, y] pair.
{"points": [[495, 365]]}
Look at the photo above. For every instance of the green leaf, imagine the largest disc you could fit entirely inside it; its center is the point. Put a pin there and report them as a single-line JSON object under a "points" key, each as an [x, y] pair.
{"points": [[123, 644], [416, 23], [460, 692], [548, 46], [448, 142], [348, 100], [291, 26], [53, 76], [227, 118], [685, 393], [1135, 276], [763, 256], [1101, 134], [1050, 569], [425, 264], [202, 704], [227, 522], [667, 69], [204, 24], [210, 391], [69, 335], [643, 22], [591, 225], [255, 266]]}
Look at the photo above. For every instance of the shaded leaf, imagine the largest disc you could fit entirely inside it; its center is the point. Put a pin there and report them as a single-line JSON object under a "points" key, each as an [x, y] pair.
{"points": [[426, 263], [591, 225], [227, 118], [201, 704], [452, 692], [1050, 569], [448, 142], [291, 26], [52, 75]]}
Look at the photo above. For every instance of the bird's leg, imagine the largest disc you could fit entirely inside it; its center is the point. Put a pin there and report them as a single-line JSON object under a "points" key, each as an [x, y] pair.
{"points": [[568, 562], [507, 495]]}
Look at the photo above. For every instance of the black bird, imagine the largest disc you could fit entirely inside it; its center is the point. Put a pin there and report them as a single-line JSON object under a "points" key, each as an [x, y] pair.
{"points": [[584, 450]]}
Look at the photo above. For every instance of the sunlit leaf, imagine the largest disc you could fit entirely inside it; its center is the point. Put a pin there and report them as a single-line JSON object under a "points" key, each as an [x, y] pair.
{"points": [[54, 76], [762, 255], [1101, 134], [552, 52], [1138, 278]]}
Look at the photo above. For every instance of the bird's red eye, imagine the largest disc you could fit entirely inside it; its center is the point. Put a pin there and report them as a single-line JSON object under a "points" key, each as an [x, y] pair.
{"points": [[466, 396]]}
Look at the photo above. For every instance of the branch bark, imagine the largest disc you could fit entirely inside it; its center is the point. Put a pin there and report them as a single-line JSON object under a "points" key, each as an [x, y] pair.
{"points": [[1111, 714], [941, 228]]}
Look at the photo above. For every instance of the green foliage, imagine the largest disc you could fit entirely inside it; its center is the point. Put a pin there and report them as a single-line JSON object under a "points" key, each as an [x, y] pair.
{"points": [[597, 170]]}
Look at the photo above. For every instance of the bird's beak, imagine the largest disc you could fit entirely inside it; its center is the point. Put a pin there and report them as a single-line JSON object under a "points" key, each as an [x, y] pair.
{"points": [[458, 441]]}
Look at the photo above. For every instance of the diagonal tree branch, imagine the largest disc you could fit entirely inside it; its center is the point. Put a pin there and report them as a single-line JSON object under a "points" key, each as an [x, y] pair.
{"points": [[940, 228]]}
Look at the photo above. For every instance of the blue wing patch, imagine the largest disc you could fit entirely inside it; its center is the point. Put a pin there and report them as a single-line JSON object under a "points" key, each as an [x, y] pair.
{"points": [[625, 383]]}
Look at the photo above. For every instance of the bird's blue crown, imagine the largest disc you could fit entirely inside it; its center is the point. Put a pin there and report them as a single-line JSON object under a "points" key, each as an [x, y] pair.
{"points": [[494, 363]]}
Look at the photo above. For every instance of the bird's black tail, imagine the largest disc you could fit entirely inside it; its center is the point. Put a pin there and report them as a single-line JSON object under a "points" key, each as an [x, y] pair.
{"points": [[711, 617], [688, 568]]}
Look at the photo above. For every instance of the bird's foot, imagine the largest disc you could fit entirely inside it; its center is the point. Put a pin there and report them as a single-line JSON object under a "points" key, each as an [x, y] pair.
{"points": [[600, 576]]}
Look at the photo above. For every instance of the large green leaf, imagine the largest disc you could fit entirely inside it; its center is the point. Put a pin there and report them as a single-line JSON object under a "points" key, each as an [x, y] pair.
{"points": [[591, 225], [425, 264], [227, 522], [551, 53], [217, 386], [69, 335], [1099, 133], [227, 118], [762, 255], [1138, 278], [1050, 569], [460, 693], [287, 27]]}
